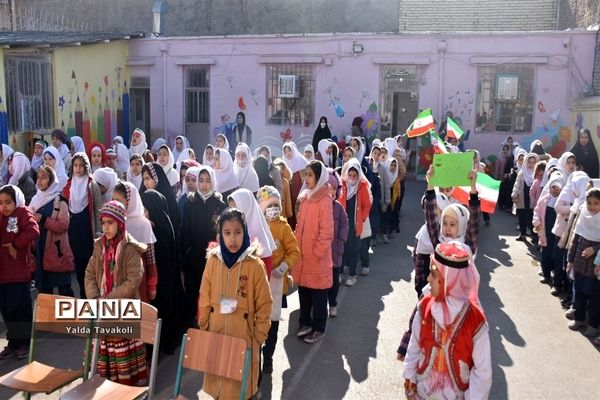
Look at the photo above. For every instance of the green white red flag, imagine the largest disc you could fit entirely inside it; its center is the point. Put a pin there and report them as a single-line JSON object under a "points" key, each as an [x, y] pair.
{"points": [[488, 189], [438, 144], [453, 130], [422, 124]]}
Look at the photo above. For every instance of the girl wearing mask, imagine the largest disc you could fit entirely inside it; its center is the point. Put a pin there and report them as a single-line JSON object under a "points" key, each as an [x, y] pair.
{"points": [[243, 169]]}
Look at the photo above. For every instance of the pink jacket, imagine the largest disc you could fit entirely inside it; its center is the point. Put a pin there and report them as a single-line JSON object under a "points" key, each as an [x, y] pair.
{"points": [[539, 215], [58, 256], [535, 191], [314, 232], [563, 209]]}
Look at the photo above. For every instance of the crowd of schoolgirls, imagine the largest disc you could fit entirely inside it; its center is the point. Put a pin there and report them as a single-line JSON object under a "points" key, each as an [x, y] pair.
{"points": [[215, 243], [557, 202]]}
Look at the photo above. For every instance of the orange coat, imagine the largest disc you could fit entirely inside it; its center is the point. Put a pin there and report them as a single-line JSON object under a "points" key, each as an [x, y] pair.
{"points": [[314, 233], [363, 204]]}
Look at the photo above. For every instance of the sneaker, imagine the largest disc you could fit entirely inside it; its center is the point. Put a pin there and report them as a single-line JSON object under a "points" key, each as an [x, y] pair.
{"points": [[22, 352], [351, 281], [576, 325], [545, 280], [555, 291], [364, 271], [313, 337], [303, 331], [540, 272], [591, 332], [521, 238], [385, 239], [332, 312], [7, 353], [392, 235], [345, 270], [267, 366], [570, 314]]}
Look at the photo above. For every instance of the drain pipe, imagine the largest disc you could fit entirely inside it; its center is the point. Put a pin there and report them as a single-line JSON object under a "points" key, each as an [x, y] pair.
{"points": [[164, 49], [441, 46]]}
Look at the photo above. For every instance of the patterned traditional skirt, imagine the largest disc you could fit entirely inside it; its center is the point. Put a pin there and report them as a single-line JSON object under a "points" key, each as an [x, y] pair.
{"points": [[123, 361]]}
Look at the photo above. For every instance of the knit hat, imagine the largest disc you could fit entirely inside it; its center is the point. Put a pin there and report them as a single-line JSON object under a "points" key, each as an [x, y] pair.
{"points": [[111, 153], [452, 254], [334, 180], [268, 196], [115, 210]]}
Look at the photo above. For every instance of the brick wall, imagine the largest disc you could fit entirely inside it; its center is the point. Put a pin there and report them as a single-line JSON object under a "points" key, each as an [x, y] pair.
{"points": [[578, 13], [477, 15]]}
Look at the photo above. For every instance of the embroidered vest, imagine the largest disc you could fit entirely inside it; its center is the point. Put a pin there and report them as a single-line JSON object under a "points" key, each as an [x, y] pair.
{"points": [[460, 347]]}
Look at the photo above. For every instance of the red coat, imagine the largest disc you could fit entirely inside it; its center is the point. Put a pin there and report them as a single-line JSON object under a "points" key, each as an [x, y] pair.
{"points": [[314, 233], [18, 270], [363, 204]]}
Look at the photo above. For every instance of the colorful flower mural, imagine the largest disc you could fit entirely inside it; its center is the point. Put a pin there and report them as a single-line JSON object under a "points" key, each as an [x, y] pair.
{"points": [[371, 121]]}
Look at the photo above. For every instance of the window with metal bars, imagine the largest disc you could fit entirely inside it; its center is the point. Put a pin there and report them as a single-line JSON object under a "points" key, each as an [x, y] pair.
{"points": [[29, 93], [197, 94], [505, 98], [286, 110]]}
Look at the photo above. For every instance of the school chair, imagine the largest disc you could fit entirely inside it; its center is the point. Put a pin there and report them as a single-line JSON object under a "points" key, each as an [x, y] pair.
{"points": [[215, 354], [99, 388], [36, 377]]}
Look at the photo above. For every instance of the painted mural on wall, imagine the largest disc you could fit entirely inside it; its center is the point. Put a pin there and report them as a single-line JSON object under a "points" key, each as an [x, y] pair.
{"points": [[461, 104], [96, 113], [371, 121], [554, 134]]}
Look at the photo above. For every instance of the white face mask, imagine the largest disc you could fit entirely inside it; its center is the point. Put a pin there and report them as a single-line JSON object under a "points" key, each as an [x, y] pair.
{"points": [[323, 125], [272, 213], [352, 181], [241, 163]]}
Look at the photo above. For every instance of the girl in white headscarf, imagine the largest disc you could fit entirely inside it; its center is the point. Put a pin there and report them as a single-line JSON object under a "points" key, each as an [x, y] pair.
{"points": [[566, 164], [122, 158], [107, 178], [85, 199], [225, 179], [138, 143], [53, 159], [78, 145], [521, 195], [186, 154], [19, 169], [118, 140], [5, 152], [134, 172], [167, 161], [243, 169], [296, 163], [258, 228], [221, 142], [208, 155], [181, 143], [37, 160], [157, 145], [309, 152]]}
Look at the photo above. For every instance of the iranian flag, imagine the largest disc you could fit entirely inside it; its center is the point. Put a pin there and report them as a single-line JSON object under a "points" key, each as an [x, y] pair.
{"points": [[453, 130], [421, 125], [438, 144], [488, 189]]}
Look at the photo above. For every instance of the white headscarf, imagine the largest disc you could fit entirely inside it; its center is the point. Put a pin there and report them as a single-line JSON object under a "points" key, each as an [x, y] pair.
{"points": [[579, 183], [170, 172], [424, 245], [562, 163], [157, 144], [258, 228], [20, 165], [204, 156], [245, 174], [183, 191], [225, 139], [108, 178], [186, 145], [322, 181], [298, 162], [392, 176], [351, 190], [309, 147], [461, 213], [136, 180], [63, 150], [19, 196], [391, 145], [225, 178], [78, 198], [122, 157], [588, 225], [556, 180], [551, 163], [137, 224], [211, 173], [78, 146], [118, 139], [518, 151], [186, 154], [59, 167], [42, 197], [38, 161], [141, 147], [323, 146], [360, 154], [6, 152], [528, 174]]}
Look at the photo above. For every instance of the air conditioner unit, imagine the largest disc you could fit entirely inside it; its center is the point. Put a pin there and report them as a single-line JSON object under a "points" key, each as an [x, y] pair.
{"points": [[288, 87], [507, 87]]}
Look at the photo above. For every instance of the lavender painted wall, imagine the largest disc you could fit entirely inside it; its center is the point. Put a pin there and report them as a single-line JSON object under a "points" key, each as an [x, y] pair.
{"points": [[236, 61]]}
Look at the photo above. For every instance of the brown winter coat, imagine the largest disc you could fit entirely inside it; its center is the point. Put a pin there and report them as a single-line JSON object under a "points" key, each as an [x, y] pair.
{"points": [[129, 270], [250, 320]]}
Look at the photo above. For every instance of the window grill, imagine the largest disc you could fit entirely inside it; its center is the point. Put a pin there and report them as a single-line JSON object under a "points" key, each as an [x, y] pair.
{"points": [[29, 93], [197, 103], [505, 98], [295, 110]]}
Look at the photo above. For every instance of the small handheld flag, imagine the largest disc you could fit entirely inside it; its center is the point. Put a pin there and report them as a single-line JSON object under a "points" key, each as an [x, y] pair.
{"points": [[422, 124]]}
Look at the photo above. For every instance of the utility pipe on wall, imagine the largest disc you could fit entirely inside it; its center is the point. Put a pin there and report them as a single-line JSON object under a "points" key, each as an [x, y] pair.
{"points": [[441, 46], [164, 49]]}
